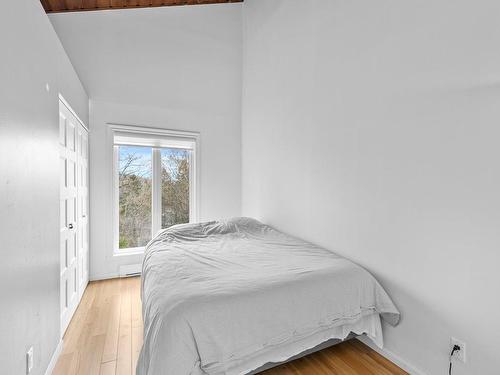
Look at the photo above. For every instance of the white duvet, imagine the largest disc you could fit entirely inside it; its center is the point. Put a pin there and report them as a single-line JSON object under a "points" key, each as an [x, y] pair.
{"points": [[226, 297]]}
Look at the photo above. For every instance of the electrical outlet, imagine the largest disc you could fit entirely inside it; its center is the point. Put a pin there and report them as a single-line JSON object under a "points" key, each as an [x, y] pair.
{"points": [[29, 360], [459, 354]]}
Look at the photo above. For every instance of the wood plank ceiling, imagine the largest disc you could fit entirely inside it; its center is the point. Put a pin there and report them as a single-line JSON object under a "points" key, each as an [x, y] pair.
{"points": [[55, 6]]}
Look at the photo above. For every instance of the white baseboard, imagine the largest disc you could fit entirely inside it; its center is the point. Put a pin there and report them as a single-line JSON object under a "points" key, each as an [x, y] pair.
{"points": [[124, 271], [394, 358], [106, 276], [55, 357]]}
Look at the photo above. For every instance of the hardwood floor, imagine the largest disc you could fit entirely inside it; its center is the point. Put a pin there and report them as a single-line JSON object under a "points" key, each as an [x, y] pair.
{"points": [[105, 337], [348, 358]]}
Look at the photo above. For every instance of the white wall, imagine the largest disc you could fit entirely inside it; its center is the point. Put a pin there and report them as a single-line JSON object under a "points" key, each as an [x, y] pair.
{"points": [[31, 56], [372, 128], [219, 171], [174, 68]]}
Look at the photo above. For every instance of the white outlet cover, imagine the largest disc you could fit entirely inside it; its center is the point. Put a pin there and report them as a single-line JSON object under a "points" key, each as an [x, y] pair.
{"points": [[29, 360], [461, 354]]}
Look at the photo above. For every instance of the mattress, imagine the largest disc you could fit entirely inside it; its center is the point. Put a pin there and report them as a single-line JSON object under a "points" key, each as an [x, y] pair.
{"points": [[227, 297]]}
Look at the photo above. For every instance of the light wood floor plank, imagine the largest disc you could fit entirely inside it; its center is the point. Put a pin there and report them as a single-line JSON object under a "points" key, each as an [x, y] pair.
{"points": [[137, 330], [124, 357], [105, 338], [108, 368], [90, 363], [66, 364], [113, 329]]}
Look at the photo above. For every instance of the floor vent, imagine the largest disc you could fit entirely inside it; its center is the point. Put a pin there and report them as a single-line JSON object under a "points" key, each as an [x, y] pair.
{"points": [[130, 270]]}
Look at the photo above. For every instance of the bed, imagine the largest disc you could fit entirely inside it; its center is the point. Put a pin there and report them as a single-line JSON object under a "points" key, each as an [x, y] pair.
{"points": [[237, 296]]}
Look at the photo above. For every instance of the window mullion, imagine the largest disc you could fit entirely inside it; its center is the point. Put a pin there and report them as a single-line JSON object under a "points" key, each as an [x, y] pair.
{"points": [[156, 191], [192, 183], [116, 202]]}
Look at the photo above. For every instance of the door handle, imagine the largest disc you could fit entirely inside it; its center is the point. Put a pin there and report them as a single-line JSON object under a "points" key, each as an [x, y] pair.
{"points": [[70, 226]]}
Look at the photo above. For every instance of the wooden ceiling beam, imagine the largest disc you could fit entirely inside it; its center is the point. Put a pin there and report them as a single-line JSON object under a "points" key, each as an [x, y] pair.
{"points": [[46, 4], [58, 6]]}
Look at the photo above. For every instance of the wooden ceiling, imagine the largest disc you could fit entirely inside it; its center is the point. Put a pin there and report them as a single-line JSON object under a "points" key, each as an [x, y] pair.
{"points": [[55, 6]]}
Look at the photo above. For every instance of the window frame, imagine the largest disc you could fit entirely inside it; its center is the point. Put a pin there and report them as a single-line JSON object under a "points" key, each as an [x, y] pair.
{"points": [[157, 139]]}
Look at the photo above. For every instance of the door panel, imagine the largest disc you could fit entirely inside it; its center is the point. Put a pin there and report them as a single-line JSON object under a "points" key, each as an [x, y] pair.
{"points": [[72, 273], [83, 201]]}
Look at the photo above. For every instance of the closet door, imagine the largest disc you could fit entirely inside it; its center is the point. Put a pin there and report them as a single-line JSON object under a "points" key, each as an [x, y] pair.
{"points": [[68, 127], [83, 205]]}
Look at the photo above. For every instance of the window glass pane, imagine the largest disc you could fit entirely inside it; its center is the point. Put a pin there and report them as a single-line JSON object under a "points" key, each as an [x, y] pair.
{"points": [[174, 186], [135, 178]]}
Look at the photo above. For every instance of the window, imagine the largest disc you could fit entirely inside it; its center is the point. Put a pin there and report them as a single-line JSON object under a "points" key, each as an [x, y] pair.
{"points": [[154, 184]]}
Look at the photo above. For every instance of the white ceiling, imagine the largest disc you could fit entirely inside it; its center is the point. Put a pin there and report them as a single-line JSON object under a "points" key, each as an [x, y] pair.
{"points": [[172, 57]]}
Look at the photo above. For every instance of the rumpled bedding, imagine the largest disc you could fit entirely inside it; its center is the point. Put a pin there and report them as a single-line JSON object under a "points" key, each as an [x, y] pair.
{"points": [[226, 297]]}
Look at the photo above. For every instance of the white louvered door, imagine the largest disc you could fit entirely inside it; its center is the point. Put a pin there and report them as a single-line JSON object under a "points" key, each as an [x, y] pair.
{"points": [[73, 161]]}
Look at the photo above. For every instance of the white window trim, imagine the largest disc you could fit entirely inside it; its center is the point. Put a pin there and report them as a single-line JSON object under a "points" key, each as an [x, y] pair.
{"points": [[156, 138]]}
